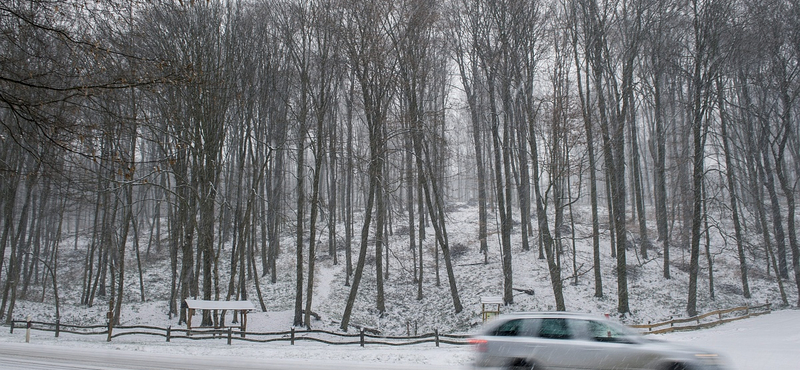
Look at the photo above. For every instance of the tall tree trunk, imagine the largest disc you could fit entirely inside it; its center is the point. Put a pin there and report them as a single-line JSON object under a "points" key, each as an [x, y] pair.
{"points": [[524, 184], [205, 244], [731, 178], [777, 217], [10, 185], [348, 200], [480, 168], [788, 190], [300, 221], [409, 182], [316, 184], [275, 186], [380, 224], [436, 210], [362, 254], [638, 191], [659, 172], [500, 189], [586, 112], [545, 237], [697, 111], [709, 257], [12, 278], [127, 220], [421, 228], [544, 231], [333, 191]]}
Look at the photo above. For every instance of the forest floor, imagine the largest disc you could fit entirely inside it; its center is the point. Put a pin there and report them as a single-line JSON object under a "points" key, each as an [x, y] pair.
{"points": [[652, 297]]}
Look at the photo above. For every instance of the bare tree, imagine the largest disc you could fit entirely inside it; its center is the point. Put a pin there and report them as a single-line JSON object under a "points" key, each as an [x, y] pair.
{"points": [[369, 57], [578, 28], [730, 174], [708, 19], [464, 20]]}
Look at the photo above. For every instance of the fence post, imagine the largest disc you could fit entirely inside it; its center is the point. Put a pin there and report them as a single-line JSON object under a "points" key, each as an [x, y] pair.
{"points": [[12, 326], [230, 331], [58, 326], [110, 316], [436, 332], [169, 332], [28, 330], [292, 335], [362, 337]]}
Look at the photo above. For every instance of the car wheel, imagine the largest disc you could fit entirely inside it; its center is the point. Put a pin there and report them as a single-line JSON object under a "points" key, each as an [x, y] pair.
{"points": [[675, 366], [523, 365]]}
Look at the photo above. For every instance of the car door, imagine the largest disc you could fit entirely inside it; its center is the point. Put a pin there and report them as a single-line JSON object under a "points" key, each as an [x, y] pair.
{"points": [[556, 346], [506, 342], [606, 345]]}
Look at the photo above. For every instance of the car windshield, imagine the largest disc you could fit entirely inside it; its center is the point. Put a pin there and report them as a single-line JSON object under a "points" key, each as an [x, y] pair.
{"points": [[606, 331]]}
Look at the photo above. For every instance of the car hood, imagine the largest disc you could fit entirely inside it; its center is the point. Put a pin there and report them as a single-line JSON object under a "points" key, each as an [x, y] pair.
{"points": [[675, 347], [679, 351]]}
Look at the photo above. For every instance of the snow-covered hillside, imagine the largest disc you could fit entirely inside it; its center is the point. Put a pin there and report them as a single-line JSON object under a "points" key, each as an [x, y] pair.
{"points": [[652, 298]]}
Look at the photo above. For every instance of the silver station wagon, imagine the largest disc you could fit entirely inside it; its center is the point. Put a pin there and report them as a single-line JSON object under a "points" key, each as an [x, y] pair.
{"points": [[558, 340]]}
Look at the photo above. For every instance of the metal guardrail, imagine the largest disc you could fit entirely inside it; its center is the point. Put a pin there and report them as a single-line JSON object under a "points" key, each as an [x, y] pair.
{"points": [[701, 321]]}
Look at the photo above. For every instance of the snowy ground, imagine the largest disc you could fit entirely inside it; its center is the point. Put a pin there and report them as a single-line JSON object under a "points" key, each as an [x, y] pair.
{"points": [[652, 297], [766, 342]]}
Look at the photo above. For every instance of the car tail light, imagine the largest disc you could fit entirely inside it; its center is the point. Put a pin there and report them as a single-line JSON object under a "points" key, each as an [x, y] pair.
{"points": [[479, 345]]}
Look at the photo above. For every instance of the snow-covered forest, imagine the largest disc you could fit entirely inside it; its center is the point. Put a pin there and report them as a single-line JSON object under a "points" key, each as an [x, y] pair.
{"points": [[617, 154]]}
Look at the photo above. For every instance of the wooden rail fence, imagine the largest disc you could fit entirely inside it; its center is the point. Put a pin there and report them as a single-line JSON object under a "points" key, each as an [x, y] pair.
{"points": [[705, 320], [361, 338]]}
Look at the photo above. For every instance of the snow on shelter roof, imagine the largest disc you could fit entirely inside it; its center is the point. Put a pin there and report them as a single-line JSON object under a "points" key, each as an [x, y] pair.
{"points": [[199, 304], [492, 300]]}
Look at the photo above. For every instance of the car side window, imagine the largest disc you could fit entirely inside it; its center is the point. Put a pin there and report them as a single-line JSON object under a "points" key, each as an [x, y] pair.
{"points": [[529, 328], [555, 328], [602, 332], [510, 328]]}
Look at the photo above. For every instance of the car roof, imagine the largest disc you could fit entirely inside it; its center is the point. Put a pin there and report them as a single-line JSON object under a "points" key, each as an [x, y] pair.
{"points": [[556, 314]]}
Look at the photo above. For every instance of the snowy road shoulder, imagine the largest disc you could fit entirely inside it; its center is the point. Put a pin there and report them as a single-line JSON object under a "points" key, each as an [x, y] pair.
{"points": [[37, 356], [146, 353], [766, 342]]}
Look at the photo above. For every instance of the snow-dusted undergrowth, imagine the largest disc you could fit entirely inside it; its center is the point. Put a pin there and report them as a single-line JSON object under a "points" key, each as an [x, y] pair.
{"points": [[652, 298]]}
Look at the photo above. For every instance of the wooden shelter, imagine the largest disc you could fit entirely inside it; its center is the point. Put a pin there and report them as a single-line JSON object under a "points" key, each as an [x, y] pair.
{"points": [[490, 307], [241, 307]]}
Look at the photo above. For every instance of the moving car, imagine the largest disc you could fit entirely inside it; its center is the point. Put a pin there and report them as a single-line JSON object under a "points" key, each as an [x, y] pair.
{"points": [[558, 340]]}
